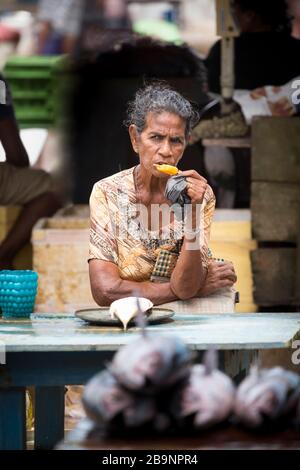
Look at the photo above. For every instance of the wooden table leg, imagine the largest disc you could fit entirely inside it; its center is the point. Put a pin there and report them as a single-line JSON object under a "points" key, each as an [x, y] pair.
{"points": [[49, 416], [237, 363], [12, 419]]}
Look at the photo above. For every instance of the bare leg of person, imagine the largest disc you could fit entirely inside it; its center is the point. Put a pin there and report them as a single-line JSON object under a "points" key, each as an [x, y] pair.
{"points": [[42, 206]]}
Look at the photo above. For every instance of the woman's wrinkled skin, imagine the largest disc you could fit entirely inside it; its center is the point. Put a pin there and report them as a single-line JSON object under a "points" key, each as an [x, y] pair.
{"points": [[151, 362], [208, 395], [266, 395]]}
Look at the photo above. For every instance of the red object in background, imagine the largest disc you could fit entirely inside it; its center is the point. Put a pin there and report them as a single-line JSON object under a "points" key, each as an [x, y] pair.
{"points": [[8, 34]]}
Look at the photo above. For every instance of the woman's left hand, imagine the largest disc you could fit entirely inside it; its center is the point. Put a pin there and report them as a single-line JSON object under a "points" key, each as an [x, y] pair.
{"points": [[196, 185], [219, 275]]}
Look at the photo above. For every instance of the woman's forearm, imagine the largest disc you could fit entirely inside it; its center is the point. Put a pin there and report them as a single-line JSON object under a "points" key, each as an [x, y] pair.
{"points": [[158, 293], [189, 274], [107, 285]]}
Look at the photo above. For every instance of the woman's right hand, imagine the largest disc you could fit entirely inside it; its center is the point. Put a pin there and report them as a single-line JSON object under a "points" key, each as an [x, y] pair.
{"points": [[218, 275]]}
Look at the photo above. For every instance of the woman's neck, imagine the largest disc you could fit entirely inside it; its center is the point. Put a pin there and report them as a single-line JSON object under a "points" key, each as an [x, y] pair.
{"points": [[149, 183]]}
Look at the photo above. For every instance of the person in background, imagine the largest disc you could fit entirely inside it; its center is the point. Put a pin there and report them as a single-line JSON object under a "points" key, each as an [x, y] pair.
{"points": [[19, 184], [294, 11], [265, 52], [59, 25]]}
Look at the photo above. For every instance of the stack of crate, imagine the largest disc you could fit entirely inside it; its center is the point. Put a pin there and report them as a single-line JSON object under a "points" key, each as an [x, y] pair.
{"points": [[34, 83], [231, 240], [60, 252], [275, 207]]}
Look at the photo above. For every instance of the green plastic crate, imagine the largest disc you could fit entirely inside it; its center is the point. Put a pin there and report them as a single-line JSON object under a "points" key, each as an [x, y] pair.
{"points": [[34, 82], [36, 63]]}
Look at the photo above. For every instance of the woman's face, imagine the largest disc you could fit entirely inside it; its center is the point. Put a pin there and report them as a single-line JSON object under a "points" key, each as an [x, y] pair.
{"points": [[162, 140]]}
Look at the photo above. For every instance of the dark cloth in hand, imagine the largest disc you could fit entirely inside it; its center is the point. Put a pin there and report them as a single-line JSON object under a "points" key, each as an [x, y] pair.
{"points": [[176, 190]]}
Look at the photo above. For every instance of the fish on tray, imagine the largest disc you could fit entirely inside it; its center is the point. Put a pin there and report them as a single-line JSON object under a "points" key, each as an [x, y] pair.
{"points": [[128, 308]]}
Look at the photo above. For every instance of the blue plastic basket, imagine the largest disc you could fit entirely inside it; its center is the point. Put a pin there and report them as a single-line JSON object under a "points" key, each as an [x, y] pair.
{"points": [[18, 292]]}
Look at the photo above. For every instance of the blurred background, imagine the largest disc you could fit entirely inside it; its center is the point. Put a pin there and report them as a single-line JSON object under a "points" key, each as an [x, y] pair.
{"points": [[72, 66]]}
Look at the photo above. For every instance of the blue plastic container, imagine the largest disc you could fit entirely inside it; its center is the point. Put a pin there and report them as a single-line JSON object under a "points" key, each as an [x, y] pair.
{"points": [[18, 290]]}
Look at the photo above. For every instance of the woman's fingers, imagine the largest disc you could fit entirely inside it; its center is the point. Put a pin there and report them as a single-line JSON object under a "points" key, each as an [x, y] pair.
{"points": [[225, 265], [195, 179], [222, 266], [214, 281], [229, 275], [197, 184], [222, 271], [225, 283], [196, 193], [221, 283], [192, 174], [227, 272]]}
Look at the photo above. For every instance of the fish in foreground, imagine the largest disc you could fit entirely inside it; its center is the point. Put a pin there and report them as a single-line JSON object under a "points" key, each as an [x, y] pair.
{"points": [[167, 169], [266, 395], [127, 308], [151, 363], [104, 399], [207, 396]]}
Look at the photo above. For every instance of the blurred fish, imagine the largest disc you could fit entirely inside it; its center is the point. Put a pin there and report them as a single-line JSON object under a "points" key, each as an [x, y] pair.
{"points": [[208, 395], [141, 411], [151, 362], [104, 399], [266, 395]]}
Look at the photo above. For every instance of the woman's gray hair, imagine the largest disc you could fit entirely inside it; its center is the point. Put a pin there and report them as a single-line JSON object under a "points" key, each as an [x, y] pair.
{"points": [[157, 98]]}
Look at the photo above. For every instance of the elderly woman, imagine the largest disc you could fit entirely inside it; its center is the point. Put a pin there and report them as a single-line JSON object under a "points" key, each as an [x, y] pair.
{"points": [[126, 256]]}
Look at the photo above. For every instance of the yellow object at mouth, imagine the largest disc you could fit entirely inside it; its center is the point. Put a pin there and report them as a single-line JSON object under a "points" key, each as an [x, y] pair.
{"points": [[167, 169]]}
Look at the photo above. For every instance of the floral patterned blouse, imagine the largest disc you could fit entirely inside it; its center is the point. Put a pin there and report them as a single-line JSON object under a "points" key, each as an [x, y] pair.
{"points": [[116, 235]]}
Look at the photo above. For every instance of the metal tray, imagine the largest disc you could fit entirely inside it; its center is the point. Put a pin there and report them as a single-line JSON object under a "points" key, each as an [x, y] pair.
{"points": [[101, 316]]}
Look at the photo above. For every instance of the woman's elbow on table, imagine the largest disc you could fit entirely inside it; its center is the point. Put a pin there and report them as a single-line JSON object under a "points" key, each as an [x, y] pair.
{"points": [[184, 293], [98, 293], [104, 295], [100, 298], [105, 284]]}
